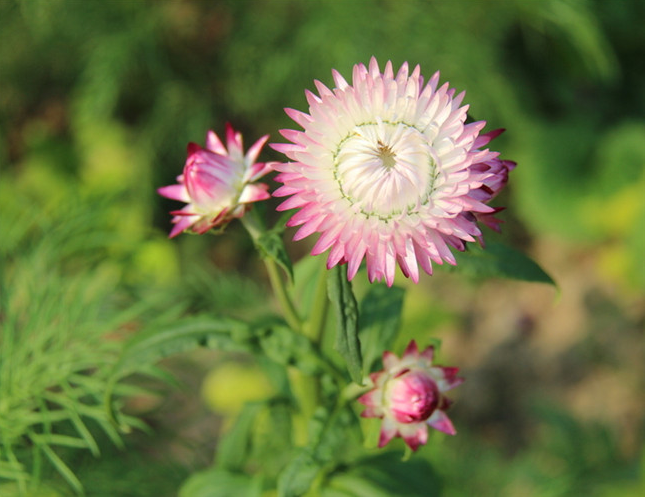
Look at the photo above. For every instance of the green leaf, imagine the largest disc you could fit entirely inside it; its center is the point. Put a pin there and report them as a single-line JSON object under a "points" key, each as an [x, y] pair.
{"points": [[83, 431], [269, 242], [219, 482], [155, 344], [500, 261], [59, 440], [328, 443], [286, 347], [303, 292], [343, 301], [385, 475], [234, 446], [296, 478], [379, 319], [12, 470], [272, 438], [62, 469]]}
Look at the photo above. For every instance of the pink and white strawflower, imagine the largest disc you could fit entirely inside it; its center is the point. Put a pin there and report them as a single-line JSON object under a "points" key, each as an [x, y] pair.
{"points": [[217, 183], [387, 170], [408, 396]]}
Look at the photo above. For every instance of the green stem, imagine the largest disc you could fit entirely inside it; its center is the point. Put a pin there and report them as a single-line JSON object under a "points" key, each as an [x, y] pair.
{"points": [[288, 308], [305, 387], [353, 391], [306, 390], [252, 226]]}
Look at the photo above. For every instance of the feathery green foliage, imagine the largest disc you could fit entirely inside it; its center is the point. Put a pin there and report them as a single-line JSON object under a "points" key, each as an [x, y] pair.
{"points": [[63, 318]]}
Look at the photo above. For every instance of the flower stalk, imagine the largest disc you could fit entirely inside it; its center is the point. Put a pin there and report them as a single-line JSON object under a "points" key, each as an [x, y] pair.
{"points": [[281, 294]]}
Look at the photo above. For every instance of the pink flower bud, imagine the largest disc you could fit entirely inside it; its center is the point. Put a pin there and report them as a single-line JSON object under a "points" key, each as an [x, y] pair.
{"points": [[408, 396], [217, 183], [413, 396]]}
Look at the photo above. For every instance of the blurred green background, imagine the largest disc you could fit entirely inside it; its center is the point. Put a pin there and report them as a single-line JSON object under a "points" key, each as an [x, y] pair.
{"points": [[98, 100]]}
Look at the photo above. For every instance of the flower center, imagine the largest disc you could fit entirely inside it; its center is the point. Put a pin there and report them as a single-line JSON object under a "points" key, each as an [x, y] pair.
{"points": [[384, 169], [386, 155]]}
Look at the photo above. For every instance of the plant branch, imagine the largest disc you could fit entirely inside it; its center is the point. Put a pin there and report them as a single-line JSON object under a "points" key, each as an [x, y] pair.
{"points": [[280, 291]]}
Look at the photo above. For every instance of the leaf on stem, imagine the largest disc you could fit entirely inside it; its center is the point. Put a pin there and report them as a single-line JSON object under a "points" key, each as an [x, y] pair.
{"points": [[269, 242], [271, 245], [343, 301]]}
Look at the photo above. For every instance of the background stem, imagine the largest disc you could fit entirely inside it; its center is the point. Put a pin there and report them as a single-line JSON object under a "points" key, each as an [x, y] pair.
{"points": [[280, 291]]}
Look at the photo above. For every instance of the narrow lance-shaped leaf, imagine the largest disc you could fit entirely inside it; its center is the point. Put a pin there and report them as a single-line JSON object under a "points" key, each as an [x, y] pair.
{"points": [[346, 310], [62, 468], [13, 471], [59, 440]]}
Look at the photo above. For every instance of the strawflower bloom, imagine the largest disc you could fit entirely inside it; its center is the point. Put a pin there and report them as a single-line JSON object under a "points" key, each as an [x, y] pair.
{"points": [[217, 183], [387, 170], [408, 396]]}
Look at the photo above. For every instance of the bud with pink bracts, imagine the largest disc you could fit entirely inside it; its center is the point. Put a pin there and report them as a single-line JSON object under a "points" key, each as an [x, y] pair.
{"points": [[408, 396], [217, 183]]}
